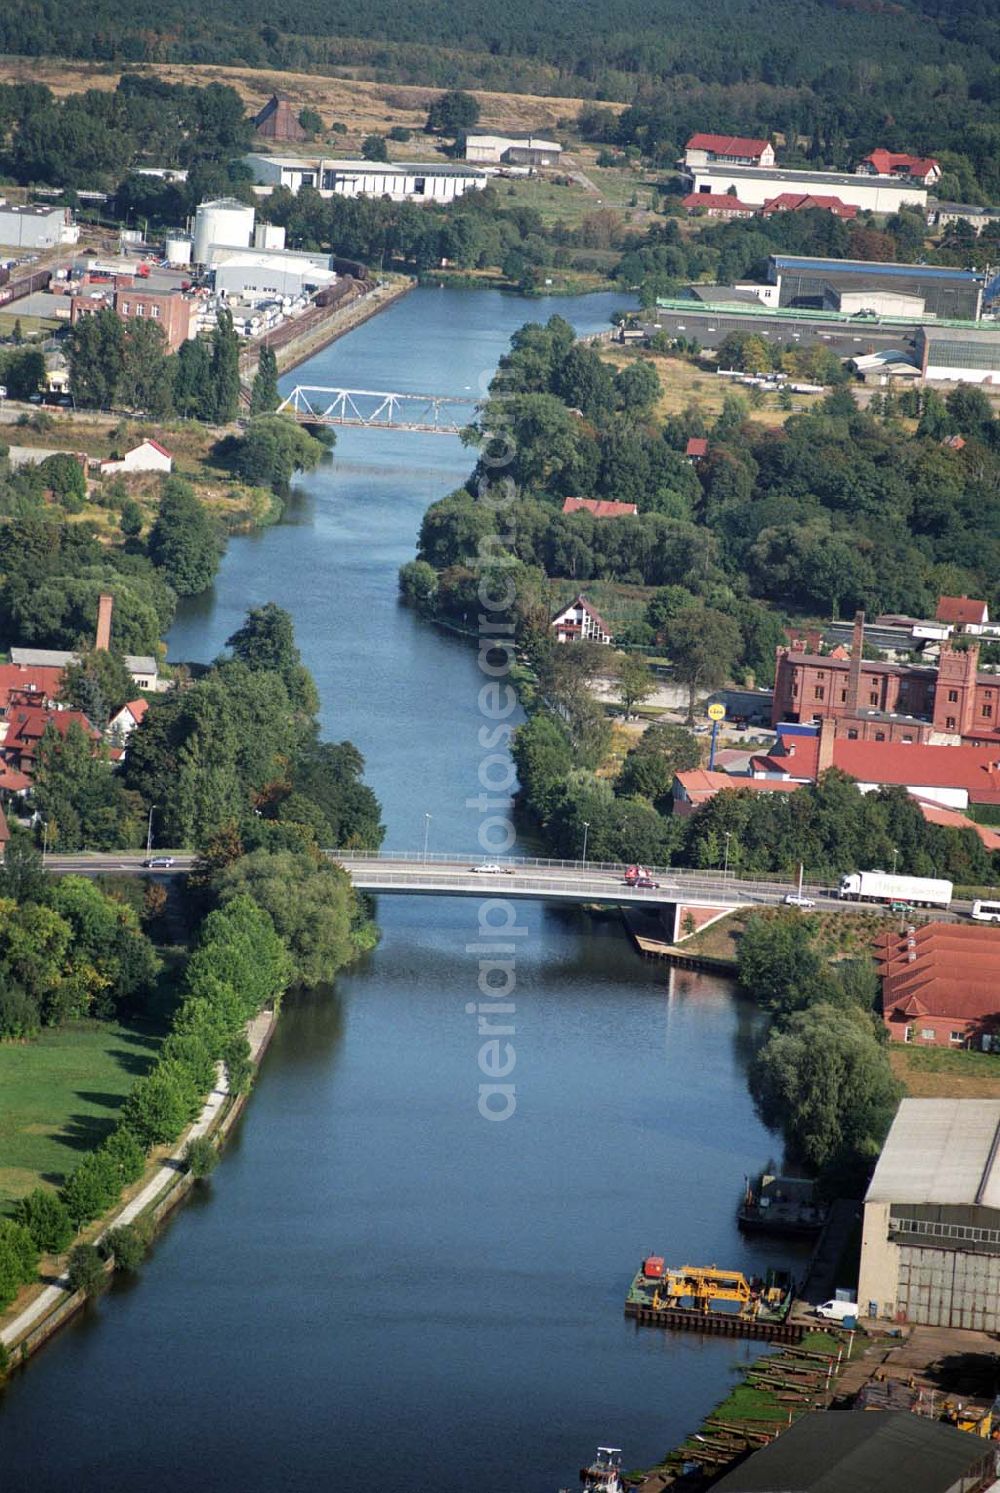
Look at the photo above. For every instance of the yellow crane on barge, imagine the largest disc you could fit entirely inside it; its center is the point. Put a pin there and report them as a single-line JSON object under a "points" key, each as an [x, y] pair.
{"points": [[700, 1287]]}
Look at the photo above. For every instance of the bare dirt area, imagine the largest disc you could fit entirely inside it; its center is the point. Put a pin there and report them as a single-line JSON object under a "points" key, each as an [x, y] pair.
{"points": [[363, 107]]}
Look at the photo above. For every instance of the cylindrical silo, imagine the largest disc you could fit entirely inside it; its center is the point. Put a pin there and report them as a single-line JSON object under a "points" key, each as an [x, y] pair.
{"points": [[177, 248], [224, 221]]}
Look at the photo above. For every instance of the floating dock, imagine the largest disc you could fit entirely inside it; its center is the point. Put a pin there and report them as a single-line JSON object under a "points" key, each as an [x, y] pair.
{"points": [[718, 1324], [689, 1298]]}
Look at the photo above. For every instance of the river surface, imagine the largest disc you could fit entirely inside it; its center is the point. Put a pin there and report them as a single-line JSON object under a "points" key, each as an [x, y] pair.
{"points": [[379, 1288]]}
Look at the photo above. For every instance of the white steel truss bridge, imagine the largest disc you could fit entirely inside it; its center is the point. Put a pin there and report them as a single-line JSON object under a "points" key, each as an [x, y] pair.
{"points": [[372, 409]]}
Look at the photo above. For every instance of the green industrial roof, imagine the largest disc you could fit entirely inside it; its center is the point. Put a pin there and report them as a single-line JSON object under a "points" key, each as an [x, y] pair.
{"points": [[863, 1451]]}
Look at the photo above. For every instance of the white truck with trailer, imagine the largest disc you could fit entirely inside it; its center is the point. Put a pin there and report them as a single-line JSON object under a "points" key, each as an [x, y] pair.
{"points": [[913, 891]]}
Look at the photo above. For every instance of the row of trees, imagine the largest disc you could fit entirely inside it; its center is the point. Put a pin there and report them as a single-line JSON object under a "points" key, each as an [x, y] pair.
{"points": [[126, 364]]}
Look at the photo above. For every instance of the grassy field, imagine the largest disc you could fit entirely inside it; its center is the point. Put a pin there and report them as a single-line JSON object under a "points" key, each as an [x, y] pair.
{"points": [[936, 1073], [684, 384], [59, 1096]]}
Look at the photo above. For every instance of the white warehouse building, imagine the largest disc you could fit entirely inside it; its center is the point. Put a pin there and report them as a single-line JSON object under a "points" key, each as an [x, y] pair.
{"points": [[755, 185], [422, 181], [930, 1248], [36, 226], [254, 274]]}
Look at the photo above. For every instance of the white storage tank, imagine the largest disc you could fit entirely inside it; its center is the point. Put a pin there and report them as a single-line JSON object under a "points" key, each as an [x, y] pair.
{"points": [[269, 236], [224, 221], [177, 248]]}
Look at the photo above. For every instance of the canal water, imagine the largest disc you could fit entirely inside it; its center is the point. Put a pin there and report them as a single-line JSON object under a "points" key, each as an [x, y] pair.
{"points": [[379, 1288]]}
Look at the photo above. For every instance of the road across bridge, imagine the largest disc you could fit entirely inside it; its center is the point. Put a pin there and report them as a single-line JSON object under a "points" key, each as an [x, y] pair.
{"points": [[408, 873]]}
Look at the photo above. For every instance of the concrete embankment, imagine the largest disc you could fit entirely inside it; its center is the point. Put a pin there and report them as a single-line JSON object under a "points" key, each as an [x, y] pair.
{"points": [[157, 1196]]}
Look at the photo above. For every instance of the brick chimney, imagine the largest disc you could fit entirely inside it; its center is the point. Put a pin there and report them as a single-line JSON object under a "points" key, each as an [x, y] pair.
{"points": [[102, 642], [827, 736], [854, 673]]}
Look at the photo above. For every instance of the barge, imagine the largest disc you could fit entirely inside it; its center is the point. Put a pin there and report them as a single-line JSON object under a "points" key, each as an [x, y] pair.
{"points": [[697, 1298]]}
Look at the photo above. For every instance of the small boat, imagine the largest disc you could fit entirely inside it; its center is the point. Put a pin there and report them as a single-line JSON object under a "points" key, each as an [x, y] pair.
{"points": [[604, 1475], [781, 1205]]}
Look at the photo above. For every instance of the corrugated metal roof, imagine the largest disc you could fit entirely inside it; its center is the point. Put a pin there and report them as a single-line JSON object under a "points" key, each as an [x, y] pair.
{"points": [[941, 1151], [858, 1451]]}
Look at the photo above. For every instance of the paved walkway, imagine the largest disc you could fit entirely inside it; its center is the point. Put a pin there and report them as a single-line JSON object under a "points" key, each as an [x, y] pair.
{"points": [[163, 1178]]}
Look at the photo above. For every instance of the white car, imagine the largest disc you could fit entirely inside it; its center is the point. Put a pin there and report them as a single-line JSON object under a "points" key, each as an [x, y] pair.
{"points": [[795, 899], [492, 868]]}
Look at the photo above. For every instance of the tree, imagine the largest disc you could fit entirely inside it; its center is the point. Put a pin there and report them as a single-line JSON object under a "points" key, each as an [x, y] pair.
{"points": [[158, 1108], [311, 904], [63, 475], [91, 1188], [636, 681], [266, 643], [826, 1080], [85, 1269], [273, 449], [703, 645], [779, 965], [374, 148], [264, 395], [637, 387], [99, 683], [18, 1259], [146, 379], [126, 1245], [200, 1157], [225, 373], [453, 113], [22, 874], [95, 351], [184, 541], [130, 519], [310, 121], [194, 391], [662, 751], [44, 1216]]}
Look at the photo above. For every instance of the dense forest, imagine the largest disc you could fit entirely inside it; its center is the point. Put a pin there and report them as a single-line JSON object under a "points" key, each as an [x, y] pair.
{"points": [[835, 79], [837, 509]]}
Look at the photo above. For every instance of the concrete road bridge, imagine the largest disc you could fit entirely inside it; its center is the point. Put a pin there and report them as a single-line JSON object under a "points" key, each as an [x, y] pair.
{"points": [[676, 892]]}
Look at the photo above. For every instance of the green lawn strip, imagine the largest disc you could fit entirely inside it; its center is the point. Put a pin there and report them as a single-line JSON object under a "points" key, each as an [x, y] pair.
{"points": [[958, 1060], [60, 1094]]}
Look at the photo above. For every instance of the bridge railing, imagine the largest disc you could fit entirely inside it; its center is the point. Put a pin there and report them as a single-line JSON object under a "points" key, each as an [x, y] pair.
{"points": [[694, 879]]}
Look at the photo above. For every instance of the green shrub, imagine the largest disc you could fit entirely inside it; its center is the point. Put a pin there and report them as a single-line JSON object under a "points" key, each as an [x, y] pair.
{"points": [[126, 1245], [45, 1217], [85, 1268], [200, 1157]]}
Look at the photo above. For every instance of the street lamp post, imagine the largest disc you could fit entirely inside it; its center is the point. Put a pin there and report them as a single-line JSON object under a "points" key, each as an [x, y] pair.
{"points": [[586, 831], [895, 858], [149, 829], [45, 839], [725, 864], [427, 832]]}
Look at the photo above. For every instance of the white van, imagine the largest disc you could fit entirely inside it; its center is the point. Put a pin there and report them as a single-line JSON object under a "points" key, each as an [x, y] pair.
{"points": [[985, 912], [837, 1311]]}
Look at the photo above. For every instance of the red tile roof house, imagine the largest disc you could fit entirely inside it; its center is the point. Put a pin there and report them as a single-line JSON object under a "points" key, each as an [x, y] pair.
{"points": [[736, 150], [27, 726], [953, 777], [800, 202], [126, 720], [940, 985], [600, 507], [697, 786], [895, 163], [696, 448], [717, 205], [963, 613], [580, 622]]}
